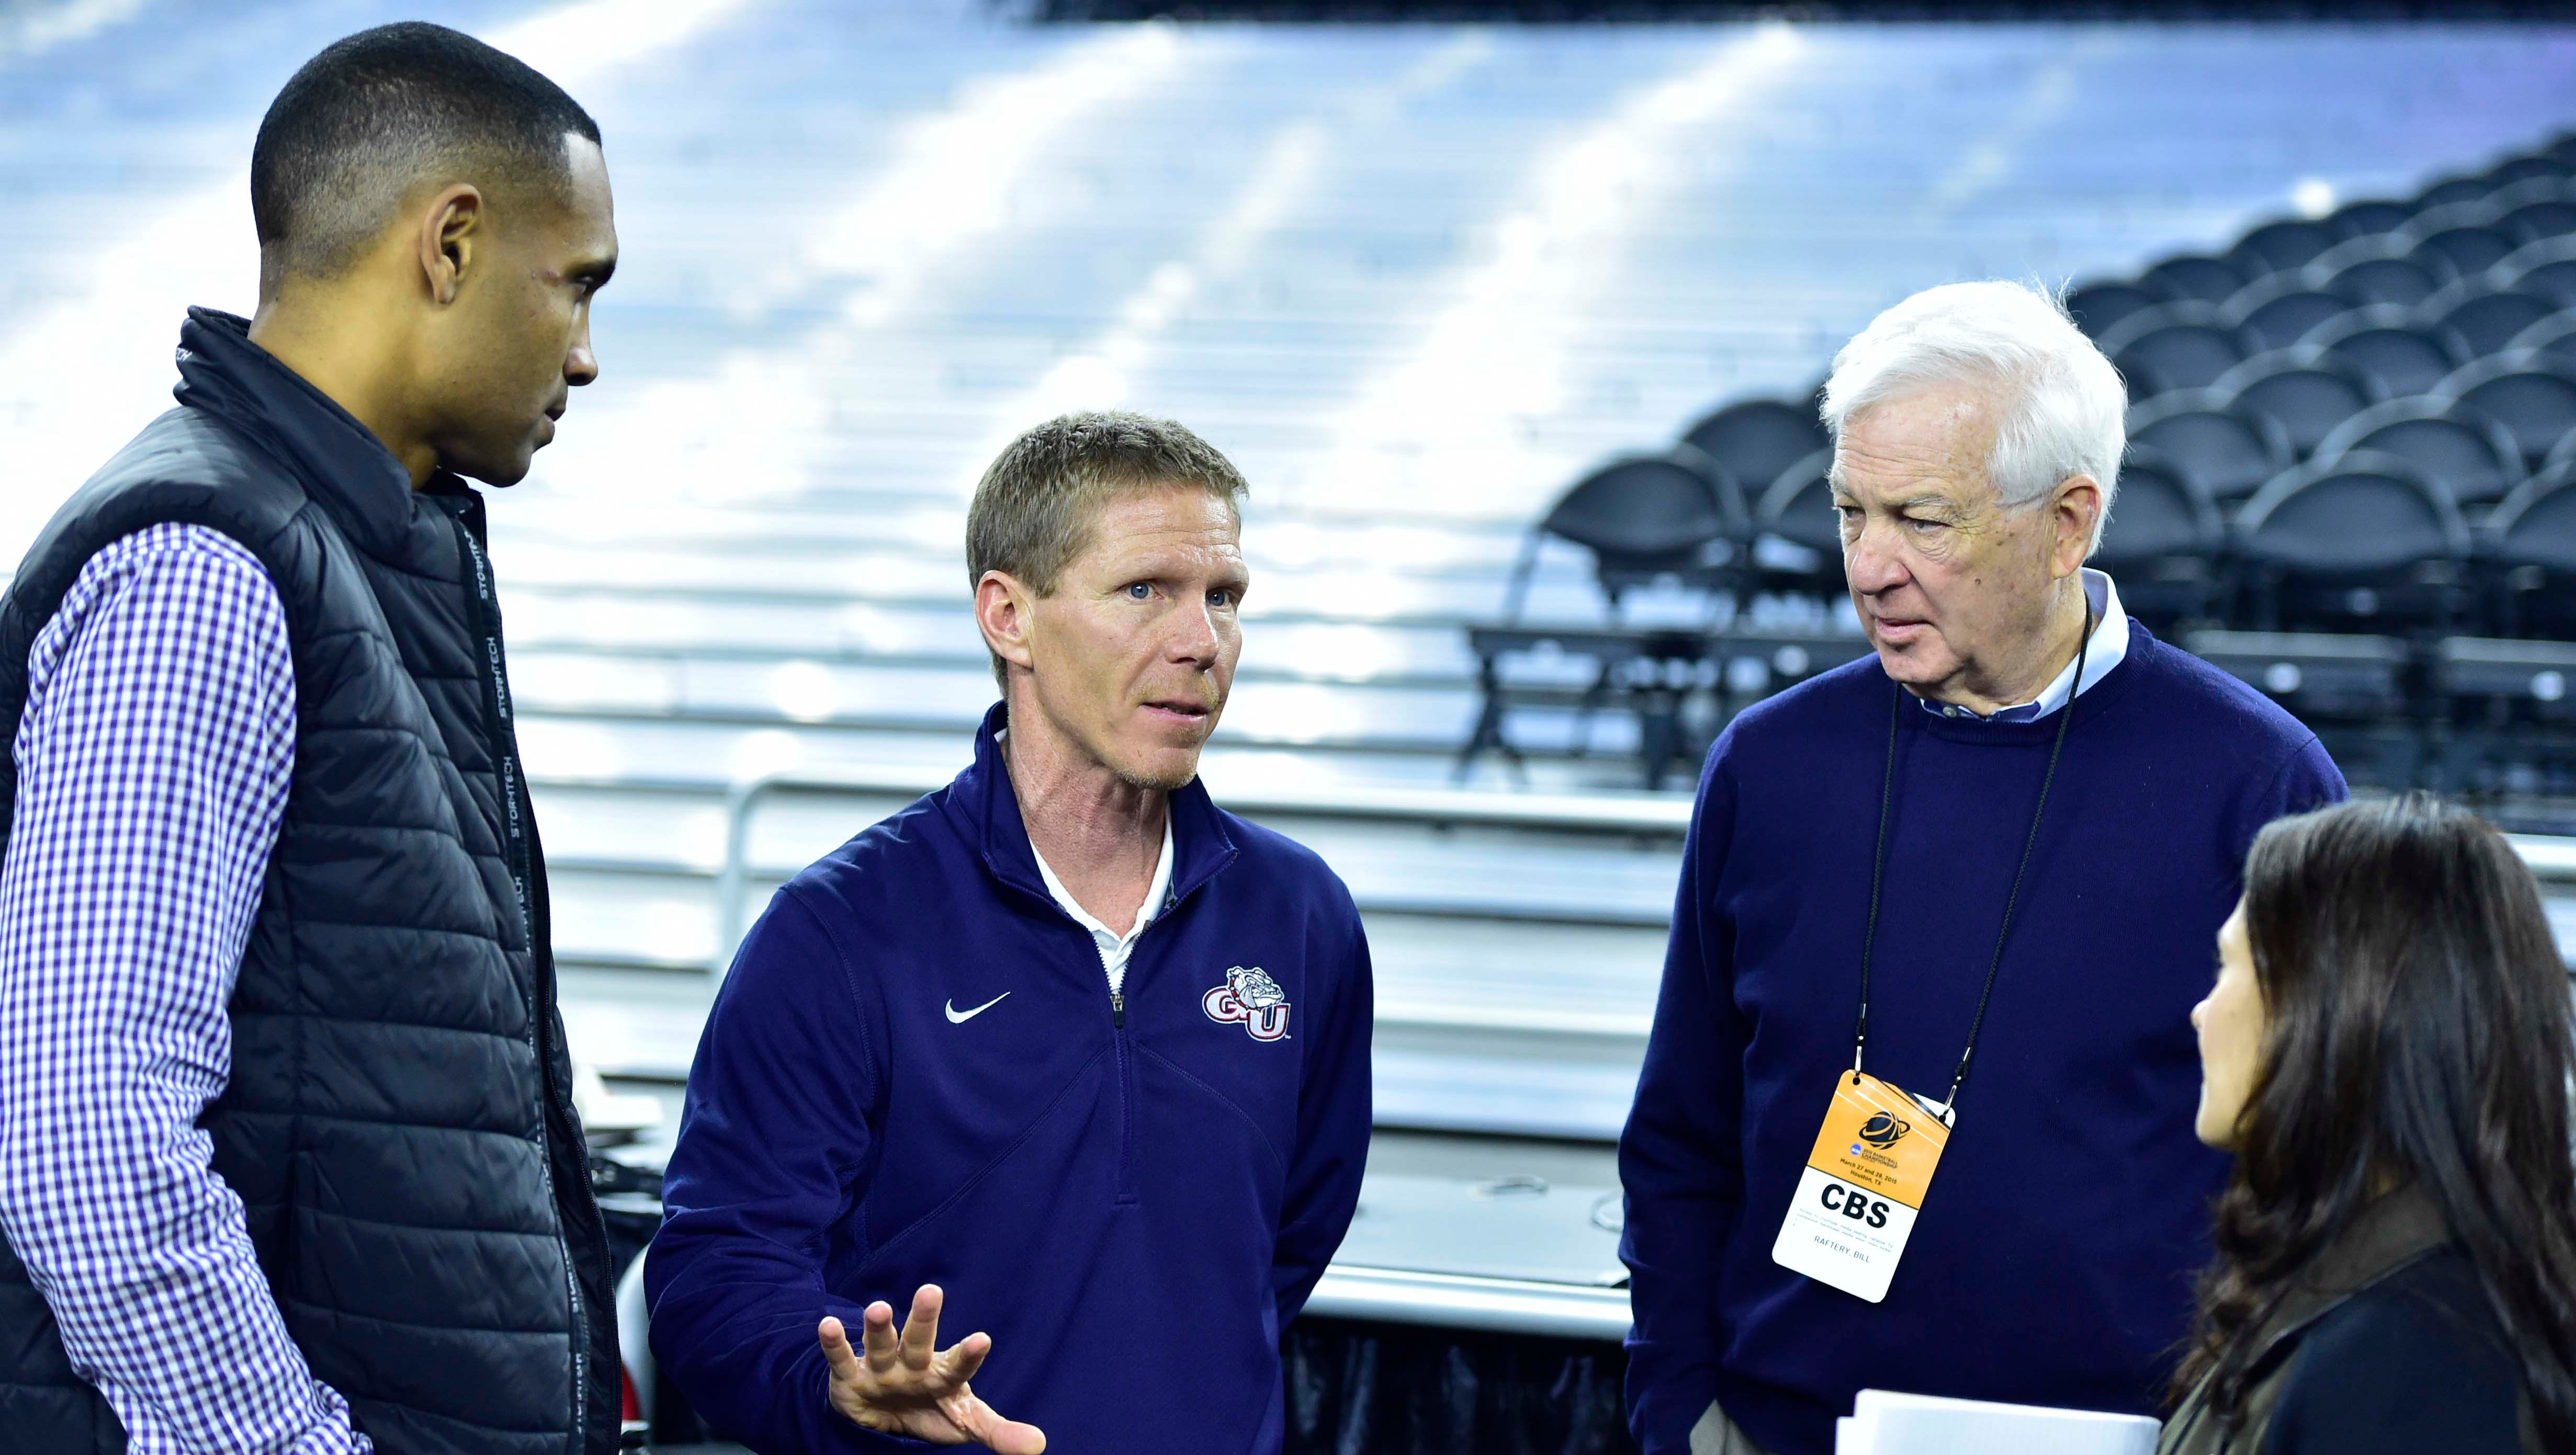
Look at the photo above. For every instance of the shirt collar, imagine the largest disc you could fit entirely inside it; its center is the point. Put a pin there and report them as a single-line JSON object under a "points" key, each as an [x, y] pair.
{"points": [[986, 809], [2108, 648], [1156, 893]]}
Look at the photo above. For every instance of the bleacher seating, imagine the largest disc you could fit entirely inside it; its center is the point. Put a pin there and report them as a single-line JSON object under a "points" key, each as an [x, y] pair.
{"points": [[2305, 391], [2382, 343], [2381, 268], [1676, 515], [1759, 438], [1797, 544], [2353, 470], [2158, 545]]}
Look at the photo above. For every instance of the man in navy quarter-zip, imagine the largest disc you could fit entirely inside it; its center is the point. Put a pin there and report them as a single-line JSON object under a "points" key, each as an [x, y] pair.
{"points": [[1062, 1053]]}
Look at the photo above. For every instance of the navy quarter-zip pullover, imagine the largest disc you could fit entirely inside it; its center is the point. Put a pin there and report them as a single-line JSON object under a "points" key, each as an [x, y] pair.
{"points": [[914, 1074]]}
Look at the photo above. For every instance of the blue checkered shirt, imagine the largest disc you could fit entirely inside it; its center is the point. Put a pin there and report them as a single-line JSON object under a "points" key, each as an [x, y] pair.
{"points": [[153, 763]]}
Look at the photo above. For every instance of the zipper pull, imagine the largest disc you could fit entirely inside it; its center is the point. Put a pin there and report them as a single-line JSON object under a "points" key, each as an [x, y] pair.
{"points": [[1117, 1010]]}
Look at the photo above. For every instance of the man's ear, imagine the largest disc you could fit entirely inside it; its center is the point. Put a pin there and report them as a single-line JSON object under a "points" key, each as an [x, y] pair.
{"points": [[451, 228], [2079, 508], [1002, 614]]}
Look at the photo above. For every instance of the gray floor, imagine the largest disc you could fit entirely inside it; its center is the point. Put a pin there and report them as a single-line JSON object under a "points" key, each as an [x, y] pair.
{"points": [[1451, 1157]]}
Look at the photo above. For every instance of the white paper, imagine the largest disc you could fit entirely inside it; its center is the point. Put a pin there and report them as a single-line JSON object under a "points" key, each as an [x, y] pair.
{"points": [[1883, 1423]]}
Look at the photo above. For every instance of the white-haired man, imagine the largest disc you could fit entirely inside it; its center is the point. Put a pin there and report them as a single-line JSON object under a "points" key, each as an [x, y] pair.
{"points": [[1917, 1108]]}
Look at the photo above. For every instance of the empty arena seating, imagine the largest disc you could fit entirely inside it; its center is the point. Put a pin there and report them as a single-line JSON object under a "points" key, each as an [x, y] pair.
{"points": [[2353, 445]]}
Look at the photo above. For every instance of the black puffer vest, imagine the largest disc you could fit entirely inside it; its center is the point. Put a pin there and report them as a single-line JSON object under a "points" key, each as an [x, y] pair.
{"points": [[399, 1120]]}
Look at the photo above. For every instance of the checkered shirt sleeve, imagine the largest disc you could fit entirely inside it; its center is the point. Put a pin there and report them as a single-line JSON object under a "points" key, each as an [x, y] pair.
{"points": [[153, 763]]}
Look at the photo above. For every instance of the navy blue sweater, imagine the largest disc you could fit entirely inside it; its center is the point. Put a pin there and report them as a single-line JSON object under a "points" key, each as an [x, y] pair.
{"points": [[2055, 1251], [1133, 1206]]}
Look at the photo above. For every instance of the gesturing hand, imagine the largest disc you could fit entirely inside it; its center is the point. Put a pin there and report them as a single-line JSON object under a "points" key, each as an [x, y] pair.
{"points": [[909, 1386]]}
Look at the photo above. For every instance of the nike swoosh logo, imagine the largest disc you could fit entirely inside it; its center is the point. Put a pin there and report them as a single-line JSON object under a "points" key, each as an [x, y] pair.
{"points": [[958, 1017]]}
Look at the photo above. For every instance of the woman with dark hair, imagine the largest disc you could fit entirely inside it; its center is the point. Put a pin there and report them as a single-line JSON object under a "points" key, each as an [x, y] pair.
{"points": [[2387, 1053]]}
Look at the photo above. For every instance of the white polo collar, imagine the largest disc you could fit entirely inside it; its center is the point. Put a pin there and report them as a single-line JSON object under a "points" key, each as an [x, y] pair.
{"points": [[2108, 649], [1114, 947]]}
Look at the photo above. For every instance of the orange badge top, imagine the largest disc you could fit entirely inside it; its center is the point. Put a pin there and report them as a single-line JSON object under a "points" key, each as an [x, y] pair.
{"points": [[1877, 1137]]}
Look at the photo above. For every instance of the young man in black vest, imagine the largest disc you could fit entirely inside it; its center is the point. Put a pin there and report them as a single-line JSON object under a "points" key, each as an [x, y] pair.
{"points": [[288, 1159]]}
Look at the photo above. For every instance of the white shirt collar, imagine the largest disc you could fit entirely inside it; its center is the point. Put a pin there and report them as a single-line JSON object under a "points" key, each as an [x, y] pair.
{"points": [[1114, 947], [2108, 649]]}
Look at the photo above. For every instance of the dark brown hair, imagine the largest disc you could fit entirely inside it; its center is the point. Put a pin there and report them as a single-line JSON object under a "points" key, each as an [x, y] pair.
{"points": [[2417, 1031]]}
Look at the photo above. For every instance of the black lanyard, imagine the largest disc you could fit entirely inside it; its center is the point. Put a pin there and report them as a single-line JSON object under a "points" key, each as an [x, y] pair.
{"points": [[1878, 863]]}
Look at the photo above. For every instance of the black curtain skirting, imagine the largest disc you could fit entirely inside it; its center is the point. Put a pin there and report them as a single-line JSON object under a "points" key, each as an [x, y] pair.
{"points": [[1353, 1388], [1400, 1389], [1394, 1389]]}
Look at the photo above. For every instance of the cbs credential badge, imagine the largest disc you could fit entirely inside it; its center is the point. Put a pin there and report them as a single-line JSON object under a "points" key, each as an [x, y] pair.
{"points": [[1856, 1202]]}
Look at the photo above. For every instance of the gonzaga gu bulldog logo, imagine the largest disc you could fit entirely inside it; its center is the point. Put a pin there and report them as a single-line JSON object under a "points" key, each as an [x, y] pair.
{"points": [[1252, 998]]}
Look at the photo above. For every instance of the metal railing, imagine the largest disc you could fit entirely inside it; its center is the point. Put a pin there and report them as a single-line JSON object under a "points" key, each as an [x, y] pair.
{"points": [[1471, 1301], [1654, 817], [1596, 814]]}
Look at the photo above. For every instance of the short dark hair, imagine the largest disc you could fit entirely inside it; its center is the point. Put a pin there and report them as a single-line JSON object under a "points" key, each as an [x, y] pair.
{"points": [[377, 113]]}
